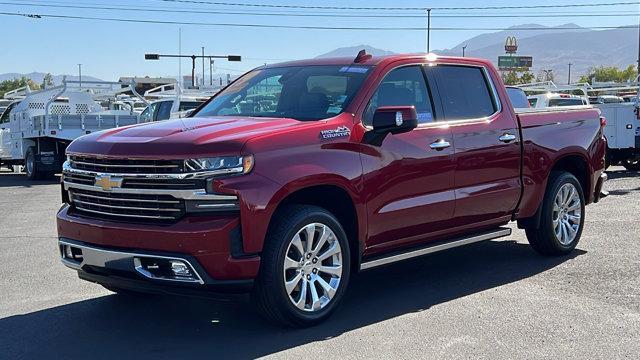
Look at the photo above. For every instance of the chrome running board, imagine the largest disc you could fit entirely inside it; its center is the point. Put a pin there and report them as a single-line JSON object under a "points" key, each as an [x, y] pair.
{"points": [[440, 246]]}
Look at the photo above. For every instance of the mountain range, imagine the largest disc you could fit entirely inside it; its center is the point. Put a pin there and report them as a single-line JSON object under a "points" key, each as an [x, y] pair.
{"points": [[551, 47], [38, 77]]}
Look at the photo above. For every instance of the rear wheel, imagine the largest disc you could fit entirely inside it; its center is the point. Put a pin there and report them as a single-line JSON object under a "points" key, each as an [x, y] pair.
{"points": [[562, 216], [31, 166], [305, 267]]}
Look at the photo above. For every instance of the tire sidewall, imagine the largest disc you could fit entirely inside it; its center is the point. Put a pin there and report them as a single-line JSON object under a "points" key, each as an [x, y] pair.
{"points": [[560, 180], [30, 156], [317, 216]]}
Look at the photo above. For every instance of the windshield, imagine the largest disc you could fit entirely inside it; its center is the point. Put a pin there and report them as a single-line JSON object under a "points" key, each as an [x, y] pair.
{"points": [[298, 92]]}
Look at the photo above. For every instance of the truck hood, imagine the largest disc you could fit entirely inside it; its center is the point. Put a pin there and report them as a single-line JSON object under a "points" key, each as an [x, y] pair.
{"points": [[178, 138]]}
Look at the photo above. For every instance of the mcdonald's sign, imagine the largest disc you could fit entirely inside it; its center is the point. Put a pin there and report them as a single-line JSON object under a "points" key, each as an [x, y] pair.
{"points": [[511, 45]]}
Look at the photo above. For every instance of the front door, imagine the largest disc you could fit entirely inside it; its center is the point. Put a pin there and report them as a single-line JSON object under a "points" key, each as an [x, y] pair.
{"points": [[487, 145], [5, 133], [408, 180]]}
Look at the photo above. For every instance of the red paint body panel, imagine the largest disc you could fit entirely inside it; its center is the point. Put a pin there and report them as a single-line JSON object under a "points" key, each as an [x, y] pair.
{"points": [[404, 193]]}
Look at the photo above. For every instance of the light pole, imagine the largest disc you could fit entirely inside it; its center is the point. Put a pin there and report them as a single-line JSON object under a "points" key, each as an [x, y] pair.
{"points": [[203, 66], [463, 49], [80, 75], [193, 61], [569, 77], [211, 72], [428, 30]]}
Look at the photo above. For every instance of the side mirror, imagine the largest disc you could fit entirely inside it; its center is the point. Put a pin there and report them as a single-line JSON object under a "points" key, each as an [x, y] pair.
{"points": [[391, 120]]}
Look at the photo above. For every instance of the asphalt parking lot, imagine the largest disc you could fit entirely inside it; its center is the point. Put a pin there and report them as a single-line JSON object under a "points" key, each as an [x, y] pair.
{"points": [[495, 300]]}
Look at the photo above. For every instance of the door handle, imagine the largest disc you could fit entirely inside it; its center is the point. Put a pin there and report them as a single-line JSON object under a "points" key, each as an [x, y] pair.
{"points": [[440, 144], [507, 138]]}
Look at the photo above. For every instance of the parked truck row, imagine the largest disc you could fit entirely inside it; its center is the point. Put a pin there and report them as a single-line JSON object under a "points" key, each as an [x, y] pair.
{"points": [[298, 175]]}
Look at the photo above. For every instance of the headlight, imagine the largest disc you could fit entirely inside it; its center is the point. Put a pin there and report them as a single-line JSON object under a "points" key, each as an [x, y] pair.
{"points": [[222, 165]]}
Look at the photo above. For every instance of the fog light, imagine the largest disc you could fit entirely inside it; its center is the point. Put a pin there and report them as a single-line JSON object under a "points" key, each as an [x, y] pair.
{"points": [[71, 253], [67, 252], [180, 269]]}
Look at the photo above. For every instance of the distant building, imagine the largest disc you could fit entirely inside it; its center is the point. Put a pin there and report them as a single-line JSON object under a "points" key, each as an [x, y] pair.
{"points": [[145, 83]]}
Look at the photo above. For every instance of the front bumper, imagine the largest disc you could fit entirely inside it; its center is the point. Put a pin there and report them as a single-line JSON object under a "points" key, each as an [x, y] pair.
{"points": [[210, 241], [129, 270]]}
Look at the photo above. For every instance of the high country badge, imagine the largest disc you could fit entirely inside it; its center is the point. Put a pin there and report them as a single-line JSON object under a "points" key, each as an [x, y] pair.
{"points": [[340, 131]]}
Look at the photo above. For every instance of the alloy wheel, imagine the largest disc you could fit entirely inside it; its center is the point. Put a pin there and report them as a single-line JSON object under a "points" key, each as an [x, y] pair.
{"points": [[312, 267], [566, 215]]}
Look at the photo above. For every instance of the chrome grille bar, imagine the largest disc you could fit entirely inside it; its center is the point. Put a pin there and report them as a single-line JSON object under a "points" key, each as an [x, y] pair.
{"points": [[123, 199], [199, 194], [176, 166], [75, 201], [156, 217]]}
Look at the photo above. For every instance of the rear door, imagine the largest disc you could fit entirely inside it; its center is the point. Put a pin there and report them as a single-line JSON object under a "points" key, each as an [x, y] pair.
{"points": [[408, 185], [487, 145]]}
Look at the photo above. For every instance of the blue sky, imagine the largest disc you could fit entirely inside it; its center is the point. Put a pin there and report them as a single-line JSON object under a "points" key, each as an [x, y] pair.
{"points": [[108, 49]]}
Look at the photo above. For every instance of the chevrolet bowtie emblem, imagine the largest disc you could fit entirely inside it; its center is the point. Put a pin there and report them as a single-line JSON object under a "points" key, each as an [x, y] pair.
{"points": [[107, 182]]}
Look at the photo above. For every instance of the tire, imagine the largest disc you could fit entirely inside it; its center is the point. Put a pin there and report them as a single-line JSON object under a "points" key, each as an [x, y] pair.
{"points": [[306, 269], [631, 165], [31, 165], [546, 239]]}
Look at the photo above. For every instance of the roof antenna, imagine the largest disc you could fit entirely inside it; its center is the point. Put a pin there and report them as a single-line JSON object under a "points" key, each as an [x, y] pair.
{"points": [[362, 56]]}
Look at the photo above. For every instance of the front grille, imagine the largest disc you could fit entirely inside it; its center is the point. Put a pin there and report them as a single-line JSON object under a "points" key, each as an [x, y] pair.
{"points": [[126, 166], [115, 206]]}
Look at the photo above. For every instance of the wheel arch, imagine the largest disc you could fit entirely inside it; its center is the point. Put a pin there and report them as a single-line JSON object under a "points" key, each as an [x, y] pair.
{"points": [[573, 163], [338, 201], [578, 166]]}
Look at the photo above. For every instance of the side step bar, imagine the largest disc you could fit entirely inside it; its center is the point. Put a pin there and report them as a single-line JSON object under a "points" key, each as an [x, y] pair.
{"points": [[387, 259]]}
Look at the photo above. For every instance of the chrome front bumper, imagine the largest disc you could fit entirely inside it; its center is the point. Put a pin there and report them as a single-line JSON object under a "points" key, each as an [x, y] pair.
{"points": [[83, 257]]}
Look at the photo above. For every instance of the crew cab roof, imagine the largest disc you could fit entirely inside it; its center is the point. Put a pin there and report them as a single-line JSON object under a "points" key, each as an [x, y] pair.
{"points": [[378, 60]]}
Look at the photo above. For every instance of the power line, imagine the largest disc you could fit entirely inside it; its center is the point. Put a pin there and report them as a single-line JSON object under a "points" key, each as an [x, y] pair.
{"points": [[401, 8], [138, 9], [167, 22]]}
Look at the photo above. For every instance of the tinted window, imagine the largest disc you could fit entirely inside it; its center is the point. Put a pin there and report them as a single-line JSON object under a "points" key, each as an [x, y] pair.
{"points": [[147, 114], [298, 92], [518, 97], [404, 86], [533, 102], [5, 115], [164, 110], [565, 102], [188, 105], [464, 91]]}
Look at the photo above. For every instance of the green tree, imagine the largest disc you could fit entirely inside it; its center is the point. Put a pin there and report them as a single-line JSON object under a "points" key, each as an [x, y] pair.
{"points": [[47, 81], [512, 78], [610, 74], [13, 84]]}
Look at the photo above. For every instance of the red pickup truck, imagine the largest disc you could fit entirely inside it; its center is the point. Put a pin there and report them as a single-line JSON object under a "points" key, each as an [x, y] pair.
{"points": [[297, 175]]}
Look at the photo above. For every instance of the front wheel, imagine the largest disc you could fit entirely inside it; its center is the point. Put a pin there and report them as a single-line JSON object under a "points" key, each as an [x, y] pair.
{"points": [[305, 267], [562, 216]]}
